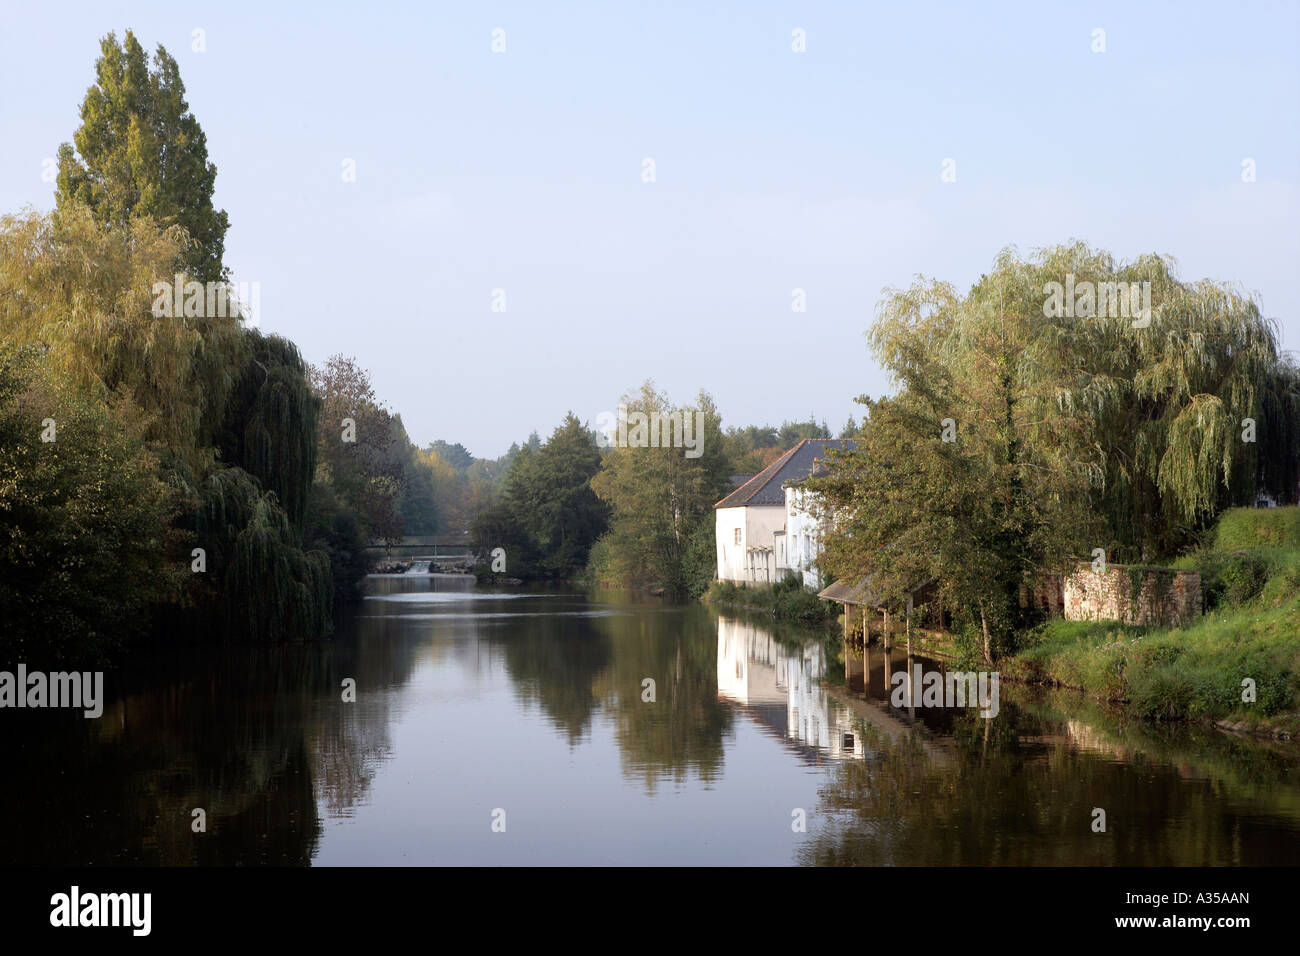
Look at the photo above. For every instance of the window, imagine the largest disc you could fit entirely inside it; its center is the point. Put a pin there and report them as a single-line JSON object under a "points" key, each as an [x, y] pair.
{"points": [[737, 536]]}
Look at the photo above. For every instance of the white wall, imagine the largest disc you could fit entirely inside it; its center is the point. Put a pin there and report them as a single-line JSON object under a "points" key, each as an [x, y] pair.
{"points": [[803, 538], [757, 527]]}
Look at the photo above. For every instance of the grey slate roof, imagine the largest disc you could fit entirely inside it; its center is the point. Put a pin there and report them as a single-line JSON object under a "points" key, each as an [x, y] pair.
{"points": [[864, 592], [766, 488]]}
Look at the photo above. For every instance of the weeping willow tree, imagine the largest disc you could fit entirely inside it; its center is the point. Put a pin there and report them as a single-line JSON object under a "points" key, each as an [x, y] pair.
{"points": [[226, 413], [214, 398], [263, 585], [270, 426], [85, 292], [971, 479], [1031, 426], [1193, 408]]}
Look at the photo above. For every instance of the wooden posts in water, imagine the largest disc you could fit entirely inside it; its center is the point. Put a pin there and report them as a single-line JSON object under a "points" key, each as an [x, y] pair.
{"points": [[886, 638], [909, 625], [845, 644]]}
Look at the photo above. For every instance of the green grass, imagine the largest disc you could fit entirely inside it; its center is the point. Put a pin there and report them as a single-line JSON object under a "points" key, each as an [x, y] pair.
{"points": [[788, 600], [1251, 578], [1256, 527]]}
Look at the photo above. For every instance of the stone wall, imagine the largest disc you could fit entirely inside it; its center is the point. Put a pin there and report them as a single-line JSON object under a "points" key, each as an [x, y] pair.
{"points": [[1133, 595]]}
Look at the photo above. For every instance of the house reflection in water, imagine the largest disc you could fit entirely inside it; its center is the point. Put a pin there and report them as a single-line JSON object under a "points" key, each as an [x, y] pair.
{"points": [[780, 687]]}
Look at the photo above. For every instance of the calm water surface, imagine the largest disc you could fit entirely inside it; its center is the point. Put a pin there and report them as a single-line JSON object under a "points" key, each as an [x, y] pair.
{"points": [[528, 708]]}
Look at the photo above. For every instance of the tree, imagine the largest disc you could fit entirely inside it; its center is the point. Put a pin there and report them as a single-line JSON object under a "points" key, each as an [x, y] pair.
{"points": [[548, 492], [140, 152], [197, 388], [83, 289], [659, 497], [219, 414], [753, 448], [457, 455], [1167, 404], [85, 519], [418, 505], [360, 448], [270, 425], [335, 530], [1018, 440]]}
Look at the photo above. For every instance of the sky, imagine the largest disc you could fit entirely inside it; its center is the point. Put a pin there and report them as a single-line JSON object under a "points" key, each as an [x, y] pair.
{"points": [[524, 171]]}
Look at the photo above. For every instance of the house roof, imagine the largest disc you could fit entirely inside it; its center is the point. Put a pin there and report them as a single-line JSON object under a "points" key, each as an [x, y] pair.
{"points": [[845, 593], [766, 488], [864, 592]]}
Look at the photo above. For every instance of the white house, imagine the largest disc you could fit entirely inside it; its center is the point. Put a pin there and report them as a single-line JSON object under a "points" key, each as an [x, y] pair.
{"points": [[803, 535], [764, 529]]}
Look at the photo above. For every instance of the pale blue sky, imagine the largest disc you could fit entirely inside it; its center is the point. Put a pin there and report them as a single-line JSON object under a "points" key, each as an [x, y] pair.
{"points": [[775, 170]]}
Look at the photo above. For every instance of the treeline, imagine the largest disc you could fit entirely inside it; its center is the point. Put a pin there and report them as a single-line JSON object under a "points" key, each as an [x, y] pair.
{"points": [[754, 447], [1020, 440], [165, 467], [577, 507]]}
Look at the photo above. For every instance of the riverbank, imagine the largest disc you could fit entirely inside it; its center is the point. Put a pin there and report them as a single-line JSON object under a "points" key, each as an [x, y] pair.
{"points": [[786, 600], [1237, 666]]}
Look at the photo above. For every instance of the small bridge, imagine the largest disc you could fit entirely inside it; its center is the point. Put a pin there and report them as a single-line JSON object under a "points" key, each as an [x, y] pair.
{"points": [[437, 549]]}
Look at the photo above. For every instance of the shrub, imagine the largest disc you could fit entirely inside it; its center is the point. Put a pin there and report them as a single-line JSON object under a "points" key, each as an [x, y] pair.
{"points": [[1230, 579]]}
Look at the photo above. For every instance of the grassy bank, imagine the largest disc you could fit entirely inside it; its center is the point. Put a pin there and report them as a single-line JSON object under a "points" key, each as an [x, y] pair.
{"points": [[1250, 576], [786, 600]]}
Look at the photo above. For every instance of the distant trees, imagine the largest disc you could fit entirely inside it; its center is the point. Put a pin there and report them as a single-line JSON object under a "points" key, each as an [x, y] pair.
{"points": [[370, 465], [417, 508], [360, 446], [661, 502], [457, 455], [464, 486], [548, 516], [754, 447], [629, 516]]}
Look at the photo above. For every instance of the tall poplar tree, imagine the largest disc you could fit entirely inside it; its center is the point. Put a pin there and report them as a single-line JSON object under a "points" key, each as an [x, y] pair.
{"points": [[140, 152], [231, 407]]}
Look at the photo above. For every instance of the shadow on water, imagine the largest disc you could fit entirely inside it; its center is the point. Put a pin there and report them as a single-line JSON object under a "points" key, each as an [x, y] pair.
{"points": [[1023, 787], [252, 735]]}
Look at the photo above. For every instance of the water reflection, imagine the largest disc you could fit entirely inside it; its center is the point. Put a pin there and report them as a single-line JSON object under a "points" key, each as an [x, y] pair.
{"points": [[1021, 788], [780, 687], [615, 730]]}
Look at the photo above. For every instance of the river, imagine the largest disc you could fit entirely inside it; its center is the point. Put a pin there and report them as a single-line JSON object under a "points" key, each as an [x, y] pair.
{"points": [[560, 727]]}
